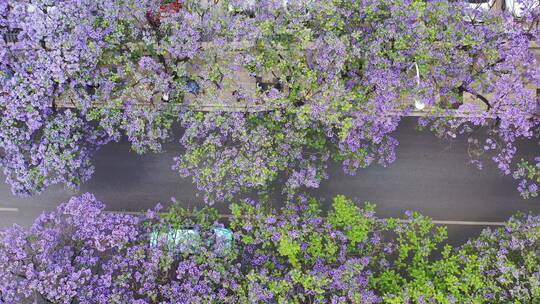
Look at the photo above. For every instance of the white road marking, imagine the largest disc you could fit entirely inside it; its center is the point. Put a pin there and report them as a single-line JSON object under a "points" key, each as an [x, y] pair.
{"points": [[125, 212], [465, 223], [7, 209]]}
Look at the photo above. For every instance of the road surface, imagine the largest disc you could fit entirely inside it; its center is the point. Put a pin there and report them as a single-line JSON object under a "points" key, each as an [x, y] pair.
{"points": [[430, 175]]}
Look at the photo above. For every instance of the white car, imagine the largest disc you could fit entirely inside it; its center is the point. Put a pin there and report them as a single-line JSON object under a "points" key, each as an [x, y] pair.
{"points": [[251, 5], [520, 8], [239, 5], [189, 240], [476, 8]]}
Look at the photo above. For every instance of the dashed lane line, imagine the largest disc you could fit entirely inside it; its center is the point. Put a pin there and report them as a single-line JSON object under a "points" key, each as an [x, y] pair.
{"points": [[464, 223]]}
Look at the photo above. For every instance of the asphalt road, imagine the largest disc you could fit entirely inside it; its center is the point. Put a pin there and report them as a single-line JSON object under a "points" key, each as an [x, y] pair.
{"points": [[430, 175]]}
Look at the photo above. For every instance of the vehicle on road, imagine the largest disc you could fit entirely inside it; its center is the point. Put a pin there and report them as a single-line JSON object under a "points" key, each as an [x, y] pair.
{"points": [[189, 240]]}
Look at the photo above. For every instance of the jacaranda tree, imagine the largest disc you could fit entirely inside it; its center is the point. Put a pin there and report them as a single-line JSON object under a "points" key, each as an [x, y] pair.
{"points": [[78, 74], [346, 72], [334, 79], [297, 254]]}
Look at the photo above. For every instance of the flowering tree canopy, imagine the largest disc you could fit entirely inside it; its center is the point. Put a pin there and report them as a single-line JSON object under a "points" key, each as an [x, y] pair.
{"points": [[350, 71], [297, 254], [78, 74], [298, 84]]}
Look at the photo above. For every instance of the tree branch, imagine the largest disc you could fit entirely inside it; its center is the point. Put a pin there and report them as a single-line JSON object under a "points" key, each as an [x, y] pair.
{"points": [[477, 95]]}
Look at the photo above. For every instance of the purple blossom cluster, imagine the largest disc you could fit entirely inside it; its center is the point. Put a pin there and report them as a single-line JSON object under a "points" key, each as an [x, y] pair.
{"points": [[334, 79], [46, 58], [80, 253], [78, 74], [353, 74], [507, 258], [59, 256], [296, 254], [232, 153]]}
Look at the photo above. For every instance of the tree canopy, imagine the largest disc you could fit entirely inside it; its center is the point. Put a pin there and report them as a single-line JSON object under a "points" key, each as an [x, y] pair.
{"points": [[295, 85]]}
